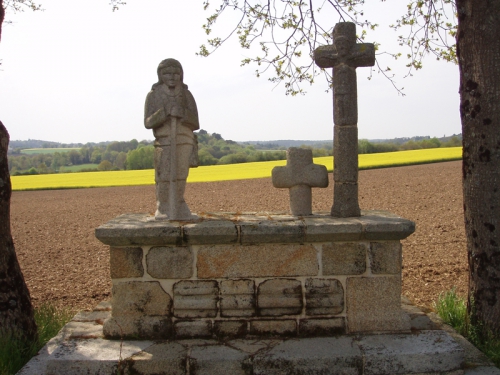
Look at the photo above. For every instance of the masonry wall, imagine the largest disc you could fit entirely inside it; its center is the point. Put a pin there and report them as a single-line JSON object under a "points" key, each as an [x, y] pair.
{"points": [[265, 288]]}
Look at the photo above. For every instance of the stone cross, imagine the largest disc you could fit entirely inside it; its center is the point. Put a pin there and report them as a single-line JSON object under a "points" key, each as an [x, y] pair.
{"points": [[344, 56], [300, 175]]}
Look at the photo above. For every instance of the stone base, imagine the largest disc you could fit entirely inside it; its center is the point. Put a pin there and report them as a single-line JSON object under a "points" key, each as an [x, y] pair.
{"points": [[229, 276], [432, 348]]}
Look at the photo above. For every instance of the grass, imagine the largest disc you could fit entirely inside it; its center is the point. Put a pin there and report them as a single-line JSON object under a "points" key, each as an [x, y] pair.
{"points": [[79, 167], [15, 353], [453, 310], [33, 151], [224, 172]]}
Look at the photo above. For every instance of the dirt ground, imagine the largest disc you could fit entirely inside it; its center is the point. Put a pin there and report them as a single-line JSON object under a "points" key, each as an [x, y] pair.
{"points": [[65, 264]]}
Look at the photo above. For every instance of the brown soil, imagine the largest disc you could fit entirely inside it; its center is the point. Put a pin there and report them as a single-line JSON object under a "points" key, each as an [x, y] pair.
{"points": [[65, 264]]}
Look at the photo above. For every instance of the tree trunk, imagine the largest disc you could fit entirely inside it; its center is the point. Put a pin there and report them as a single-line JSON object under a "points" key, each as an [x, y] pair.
{"points": [[479, 61], [16, 311]]}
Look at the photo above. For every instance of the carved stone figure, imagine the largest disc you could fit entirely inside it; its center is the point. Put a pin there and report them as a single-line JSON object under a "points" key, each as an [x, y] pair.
{"points": [[171, 112]]}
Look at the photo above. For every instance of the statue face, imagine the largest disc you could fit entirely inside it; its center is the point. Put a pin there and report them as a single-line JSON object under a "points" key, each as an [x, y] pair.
{"points": [[171, 76], [343, 47]]}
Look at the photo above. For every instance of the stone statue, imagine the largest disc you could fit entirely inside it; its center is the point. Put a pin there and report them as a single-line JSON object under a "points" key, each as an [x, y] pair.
{"points": [[171, 112]]}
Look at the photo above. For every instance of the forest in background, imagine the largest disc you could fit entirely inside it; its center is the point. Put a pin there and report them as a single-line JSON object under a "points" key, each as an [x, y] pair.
{"points": [[42, 157]]}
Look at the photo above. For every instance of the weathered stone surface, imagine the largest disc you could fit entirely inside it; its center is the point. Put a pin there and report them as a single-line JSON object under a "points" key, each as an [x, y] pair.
{"points": [[211, 231], [196, 298], [230, 328], [382, 225], [170, 262], [237, 261], [324, 297], [346, 143], [103, 306], [374, 304], [273, 328], [345, 201], [140, 298], [99, 357], [300, 175], [139, 229], [125, 262], [328, 229], [217, 360], [267, 231], [344, 258], [385, 257], [193, 329], [97, 316], [84, 330], [279, 297], [429, 351], [159, 359], [321, 327], [146, 327], [311, 356], [237, 298]]}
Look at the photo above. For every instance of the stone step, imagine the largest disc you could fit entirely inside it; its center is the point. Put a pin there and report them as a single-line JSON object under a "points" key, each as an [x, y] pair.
{"points": [[432, 348]]}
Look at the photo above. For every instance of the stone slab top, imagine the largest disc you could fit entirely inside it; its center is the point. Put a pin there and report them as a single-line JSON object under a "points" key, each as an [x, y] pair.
{"points": [[252, 228]]}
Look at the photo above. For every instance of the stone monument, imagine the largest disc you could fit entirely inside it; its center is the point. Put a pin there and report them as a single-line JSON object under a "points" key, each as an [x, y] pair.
{"points": [[299, 176], [171, 112], [344, 56]]}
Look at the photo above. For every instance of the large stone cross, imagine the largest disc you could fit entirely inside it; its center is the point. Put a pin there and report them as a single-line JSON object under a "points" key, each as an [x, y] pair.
{"points": [[300, 175], [344, 56]]}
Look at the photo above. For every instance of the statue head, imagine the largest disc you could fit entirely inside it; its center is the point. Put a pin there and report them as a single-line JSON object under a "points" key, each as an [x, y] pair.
{"points": [[170, 73], [343, 45]]}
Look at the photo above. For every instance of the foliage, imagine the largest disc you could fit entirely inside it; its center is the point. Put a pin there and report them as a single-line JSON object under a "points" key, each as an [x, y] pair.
{"points": [[453, 310], [14, 353], [287, 32], [223, 172]]}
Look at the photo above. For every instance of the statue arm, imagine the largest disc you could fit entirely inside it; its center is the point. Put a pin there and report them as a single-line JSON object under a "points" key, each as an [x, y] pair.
{"points": [[153, 118], [191, 114]]}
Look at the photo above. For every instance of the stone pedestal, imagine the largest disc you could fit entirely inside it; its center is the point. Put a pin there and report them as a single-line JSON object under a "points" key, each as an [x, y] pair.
{"points": [[245, 275]]}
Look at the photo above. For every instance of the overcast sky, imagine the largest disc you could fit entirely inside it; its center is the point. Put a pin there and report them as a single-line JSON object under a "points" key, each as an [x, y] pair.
{"points": [[78, 72]]}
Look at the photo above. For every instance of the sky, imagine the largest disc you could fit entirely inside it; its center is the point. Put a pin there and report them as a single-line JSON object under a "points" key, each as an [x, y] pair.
{"points": [[78, 72]]}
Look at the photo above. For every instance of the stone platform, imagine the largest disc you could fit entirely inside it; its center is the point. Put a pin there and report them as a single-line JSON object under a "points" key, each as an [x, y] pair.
{"points": [[255, 274], [431, 348]]}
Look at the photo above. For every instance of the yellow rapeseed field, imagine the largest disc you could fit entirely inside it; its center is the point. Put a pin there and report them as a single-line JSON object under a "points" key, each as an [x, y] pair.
{"points": [[223, 172]]}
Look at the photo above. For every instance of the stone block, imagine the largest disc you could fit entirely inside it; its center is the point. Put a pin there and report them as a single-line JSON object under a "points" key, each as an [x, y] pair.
{"points": [[345, 153], [330, 229], [374, 305], [92, 316], [159, 359], [170, 262], [193, 329], [125, 262], [99, 357], [237, 298], [103, 306], [385, 257], [146, 327], [230, 329], [210, 232], [238, 261], [345, 200], [267, 231], [321, 327], [138, 298], [311, 356], [273, 328], [381, 225], [427, 352], [195, 298], [84, 330], [277, 297], [344, 258], [139, 229], [324, 297], [217, 360]]}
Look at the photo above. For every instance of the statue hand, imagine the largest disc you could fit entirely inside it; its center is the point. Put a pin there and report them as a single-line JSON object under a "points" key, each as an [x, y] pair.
{"points": [[177, 111]]}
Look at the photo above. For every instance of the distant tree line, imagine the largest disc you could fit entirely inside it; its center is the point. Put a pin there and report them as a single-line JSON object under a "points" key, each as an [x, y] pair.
{"points": [[212, 149]]}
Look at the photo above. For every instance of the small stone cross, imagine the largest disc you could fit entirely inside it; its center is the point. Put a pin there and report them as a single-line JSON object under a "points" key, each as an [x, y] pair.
{"points": [[344, 56], [300, 175]]}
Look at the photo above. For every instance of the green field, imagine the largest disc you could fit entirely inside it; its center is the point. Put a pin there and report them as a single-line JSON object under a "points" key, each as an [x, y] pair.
{"points": [[79, 167], [223, 172], [33, 151]]}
